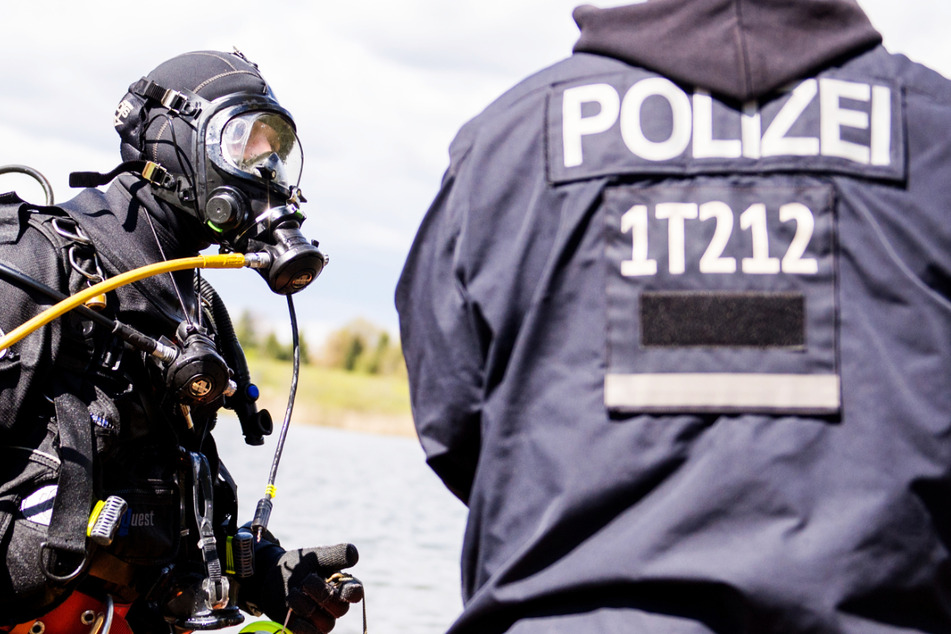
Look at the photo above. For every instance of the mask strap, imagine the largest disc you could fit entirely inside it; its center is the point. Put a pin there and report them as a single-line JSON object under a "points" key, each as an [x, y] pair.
{"points": [[149, 170], [176, 101]]}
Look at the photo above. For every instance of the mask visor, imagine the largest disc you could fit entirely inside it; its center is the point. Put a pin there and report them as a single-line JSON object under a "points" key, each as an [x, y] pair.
{"points": [[263, 145]]}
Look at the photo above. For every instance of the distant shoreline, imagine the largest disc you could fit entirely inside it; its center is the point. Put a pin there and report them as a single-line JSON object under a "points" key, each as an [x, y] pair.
{"points": [[368, 423], [328, 397]]}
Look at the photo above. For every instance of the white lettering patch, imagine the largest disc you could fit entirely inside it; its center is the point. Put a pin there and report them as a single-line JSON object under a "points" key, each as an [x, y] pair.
{"points": [[639, 123]]}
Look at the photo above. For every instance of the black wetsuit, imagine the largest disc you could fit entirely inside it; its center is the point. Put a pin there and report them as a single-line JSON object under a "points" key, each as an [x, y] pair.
{"points": [[137, 442]]}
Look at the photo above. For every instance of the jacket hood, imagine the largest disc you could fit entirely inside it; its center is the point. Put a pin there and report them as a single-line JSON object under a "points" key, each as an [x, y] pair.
{"points": [[740, 49]]}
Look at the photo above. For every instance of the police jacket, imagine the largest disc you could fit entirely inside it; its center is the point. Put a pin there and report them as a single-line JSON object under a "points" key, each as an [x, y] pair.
{"points": [[678, 330], [84, 416]]}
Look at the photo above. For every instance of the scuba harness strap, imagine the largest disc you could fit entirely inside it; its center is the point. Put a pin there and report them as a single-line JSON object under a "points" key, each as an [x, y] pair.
{"points": [[67, 529], [63, 555]]}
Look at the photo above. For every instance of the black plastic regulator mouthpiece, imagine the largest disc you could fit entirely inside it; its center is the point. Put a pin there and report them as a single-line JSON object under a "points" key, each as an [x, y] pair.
{"points": [[198, 375], [295, 262], [254, 424]]}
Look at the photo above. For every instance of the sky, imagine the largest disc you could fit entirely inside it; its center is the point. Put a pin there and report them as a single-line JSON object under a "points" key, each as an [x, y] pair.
{"points": [[377, 88]]}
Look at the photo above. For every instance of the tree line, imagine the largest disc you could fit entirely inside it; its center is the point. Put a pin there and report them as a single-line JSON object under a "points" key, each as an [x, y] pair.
{"points": [[358, 346]]}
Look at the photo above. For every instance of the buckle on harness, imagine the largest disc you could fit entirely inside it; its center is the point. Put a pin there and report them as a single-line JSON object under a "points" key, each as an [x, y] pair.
{"points": [[156, 174], [47, 556], [73, 232], [174, 100]]}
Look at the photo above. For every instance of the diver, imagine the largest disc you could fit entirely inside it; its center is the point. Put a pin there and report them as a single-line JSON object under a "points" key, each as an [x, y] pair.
{"points": [[115, 509]]}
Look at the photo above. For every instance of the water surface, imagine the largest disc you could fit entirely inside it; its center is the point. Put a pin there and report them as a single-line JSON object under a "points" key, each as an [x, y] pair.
{"points": [[373, 491]]}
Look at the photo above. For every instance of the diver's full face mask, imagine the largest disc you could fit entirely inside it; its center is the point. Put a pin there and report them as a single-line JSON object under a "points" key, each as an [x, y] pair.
{"points": [[239, 176], [248, 163], [248, 160]]}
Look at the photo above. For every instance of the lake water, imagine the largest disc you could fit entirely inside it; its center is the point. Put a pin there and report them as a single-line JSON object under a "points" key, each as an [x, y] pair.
{"points": [[375, 492]]}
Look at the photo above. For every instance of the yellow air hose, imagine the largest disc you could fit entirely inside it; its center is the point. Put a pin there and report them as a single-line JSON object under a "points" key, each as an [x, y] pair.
{"points": [[220, 261]]}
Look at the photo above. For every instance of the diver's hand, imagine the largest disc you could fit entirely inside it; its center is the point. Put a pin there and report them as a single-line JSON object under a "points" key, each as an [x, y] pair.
{"points": [[308, 581]]}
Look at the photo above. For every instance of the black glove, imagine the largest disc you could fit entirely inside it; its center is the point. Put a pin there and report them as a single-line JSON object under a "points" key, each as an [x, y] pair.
{"points": [[306, 581]]}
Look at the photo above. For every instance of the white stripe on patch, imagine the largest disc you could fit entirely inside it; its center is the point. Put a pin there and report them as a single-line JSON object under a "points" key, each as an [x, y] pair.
{"points": [[714, 392], [38, 506]]}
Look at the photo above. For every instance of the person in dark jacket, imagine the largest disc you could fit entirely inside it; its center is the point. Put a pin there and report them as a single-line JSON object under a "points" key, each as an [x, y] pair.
{"points": [[114, 504], [678, 330]]}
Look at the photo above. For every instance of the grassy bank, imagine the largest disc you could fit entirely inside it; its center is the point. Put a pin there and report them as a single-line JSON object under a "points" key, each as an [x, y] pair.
{"points": [[334, 398]]}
